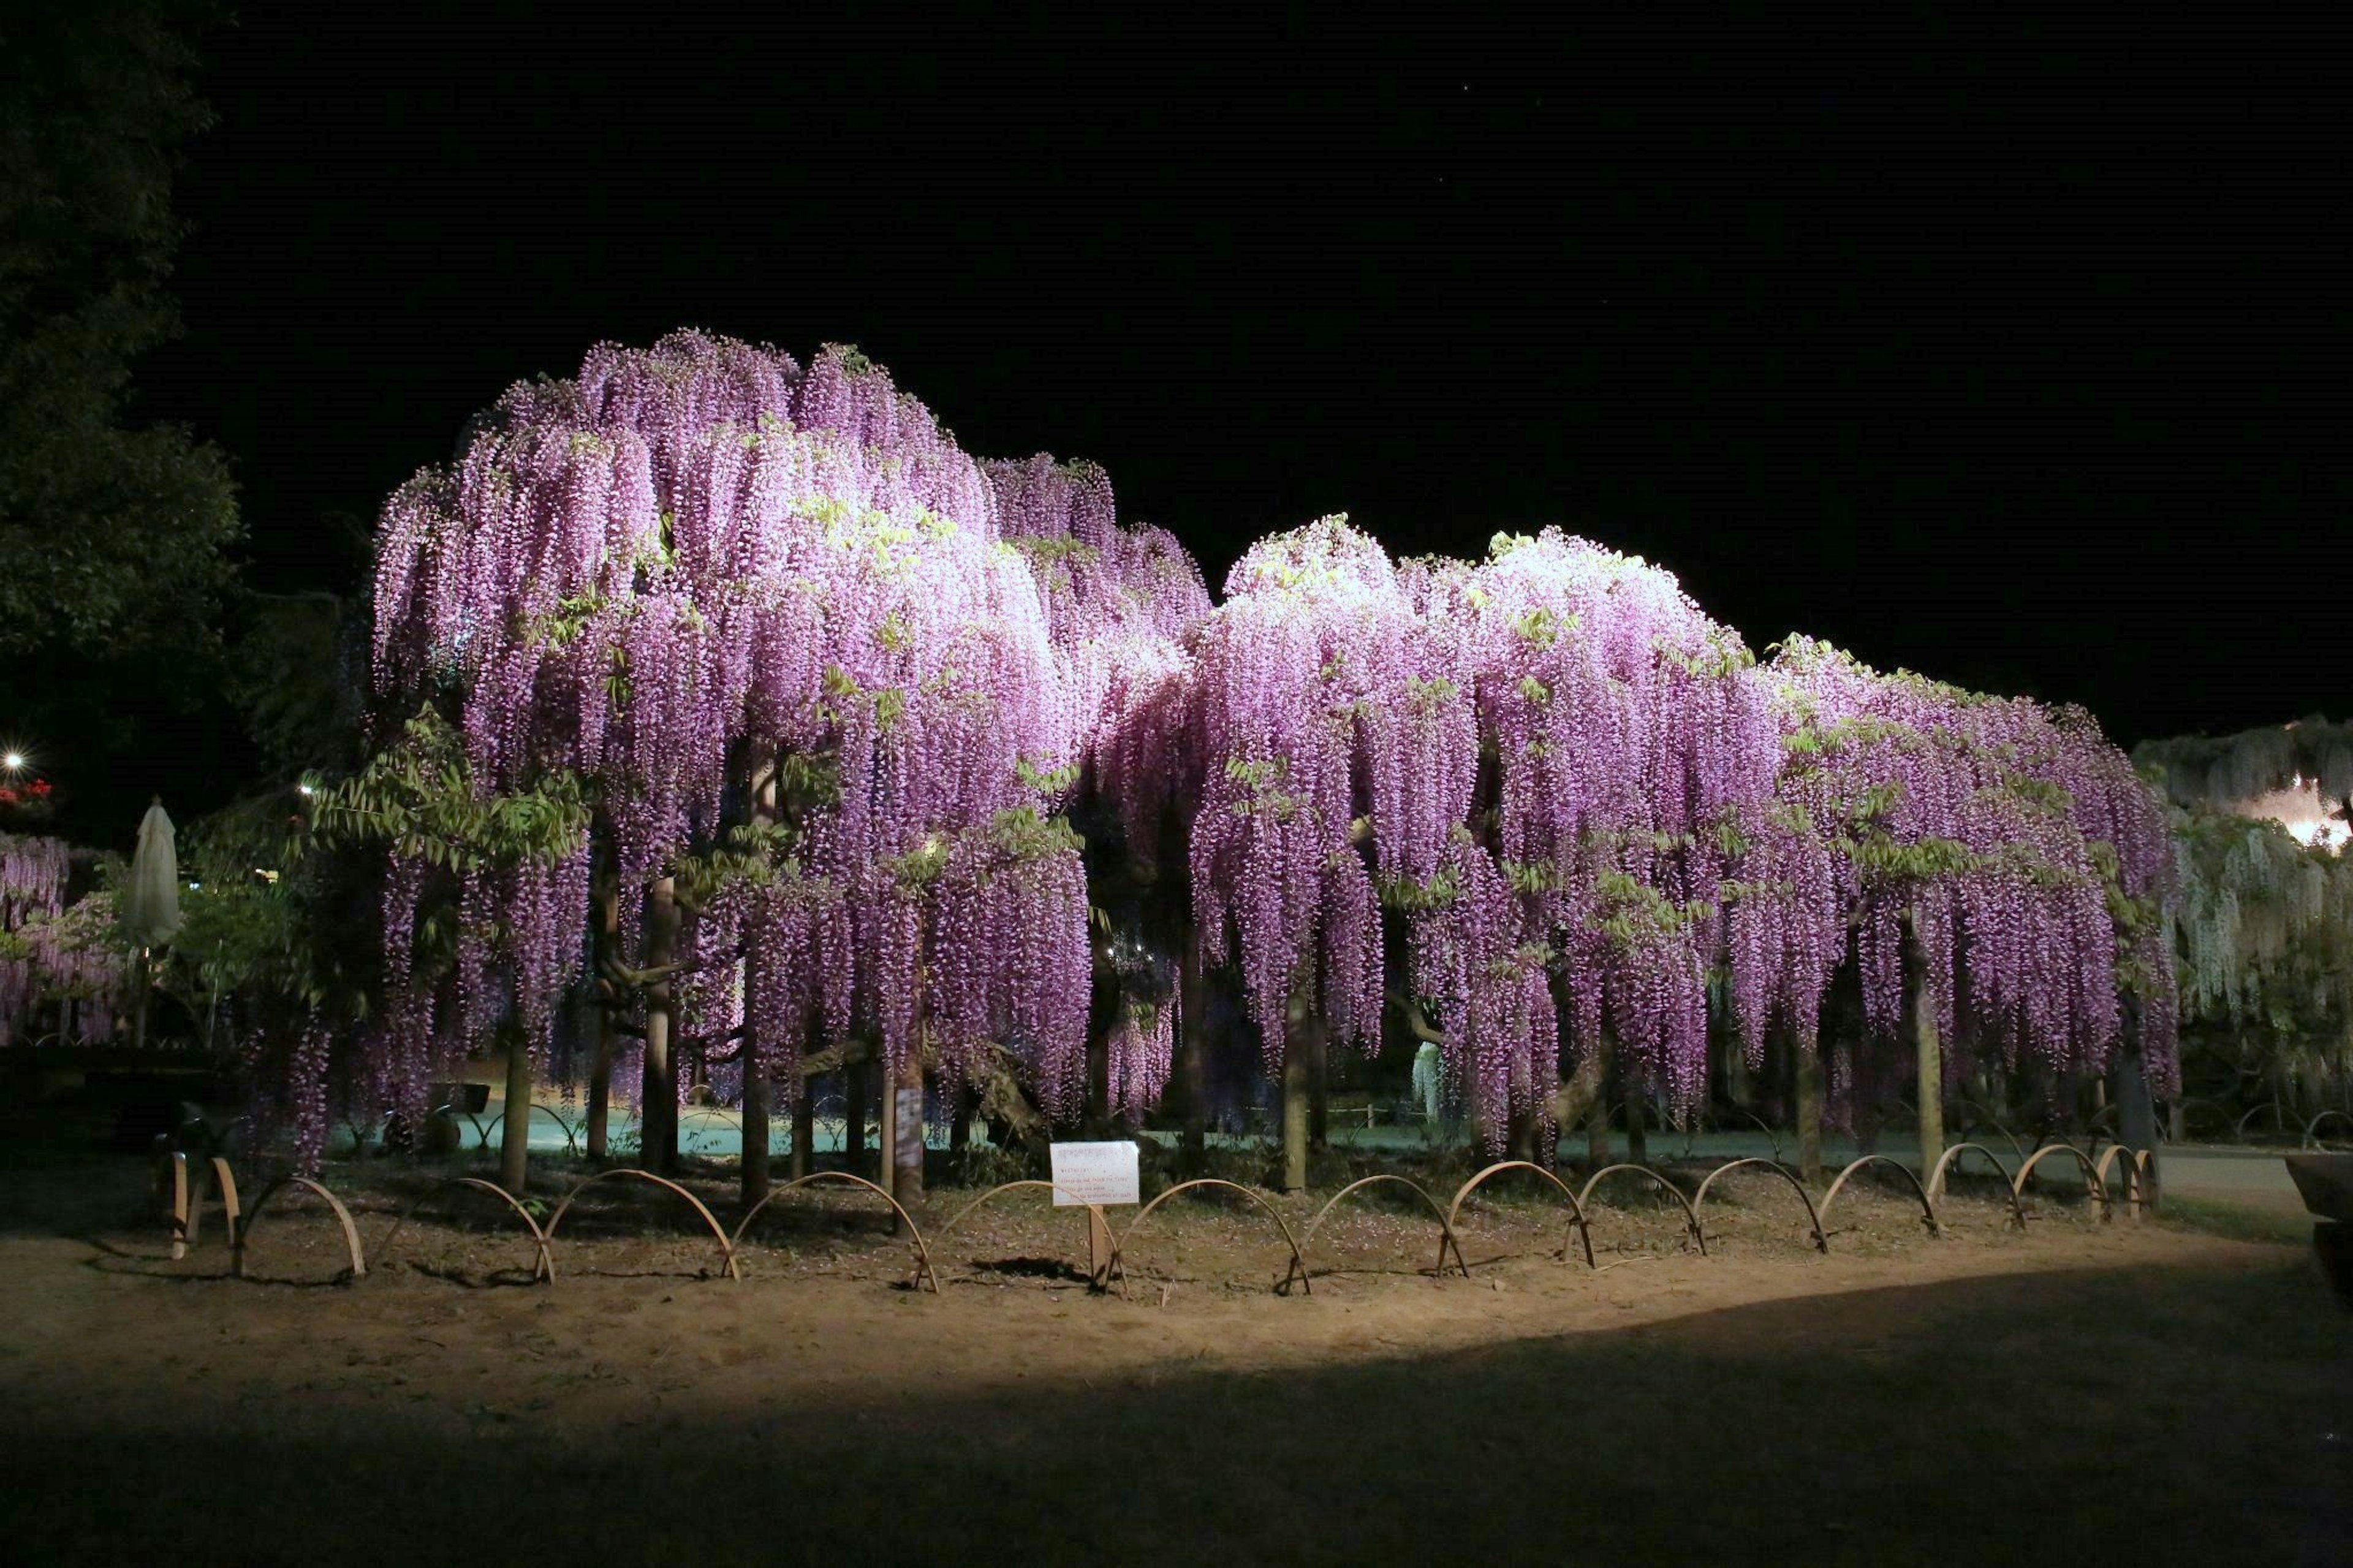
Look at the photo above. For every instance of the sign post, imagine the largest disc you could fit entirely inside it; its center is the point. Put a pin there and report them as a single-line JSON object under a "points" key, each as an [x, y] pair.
{"points": [[1088, 1176]]}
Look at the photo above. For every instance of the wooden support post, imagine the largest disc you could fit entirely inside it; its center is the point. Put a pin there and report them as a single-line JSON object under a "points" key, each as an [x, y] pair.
{"points": [[658, 1114], [1193, 1058], [1929, 1054], [514, 1132], [1099, 1248], [600, 1069], [1809, 1112], [1294, 1119], [752, 1175]]}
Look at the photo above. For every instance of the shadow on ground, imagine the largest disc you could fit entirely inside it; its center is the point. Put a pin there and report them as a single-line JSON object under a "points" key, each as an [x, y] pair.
{"points": [[2135, 1415]]}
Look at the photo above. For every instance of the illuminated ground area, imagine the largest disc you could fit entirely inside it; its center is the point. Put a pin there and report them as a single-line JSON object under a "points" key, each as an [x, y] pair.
{"points": [[2142, 1390]]}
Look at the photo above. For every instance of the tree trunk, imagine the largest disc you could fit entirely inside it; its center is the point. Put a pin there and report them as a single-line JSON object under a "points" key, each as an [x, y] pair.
{"points": [[1319, 1090], [1294, 1119], [753, 1159], [752, 1179], [902, 1129], [658, 1111], [1930, 1053], [1596, 1124], [600, 1069], [1193, 1058], [1809, 1113], [515, 1133], [804, 1131]]}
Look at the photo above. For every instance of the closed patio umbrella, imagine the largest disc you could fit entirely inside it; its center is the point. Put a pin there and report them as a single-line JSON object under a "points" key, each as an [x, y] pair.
{"points": [[150, 904]]}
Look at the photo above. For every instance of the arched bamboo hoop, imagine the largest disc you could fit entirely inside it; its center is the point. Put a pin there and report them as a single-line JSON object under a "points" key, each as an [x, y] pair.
{"points": [[923, 1274], [2010, 1190], [2240, 1131], [1927, 1206], [1813, 1216], [2139, 1167], [2017, 1149], [726, 1247], [1446, 1240], [1298, 1270], [2312, 1128], [188, 1199], [544, 1268], [358, 1269], [1691, 1215], [2092, 1185], [571, 1143], [1576, 1209]]}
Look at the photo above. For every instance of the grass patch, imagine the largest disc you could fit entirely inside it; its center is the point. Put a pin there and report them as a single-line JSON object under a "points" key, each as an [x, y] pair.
{"points": [[2236, 1222]]}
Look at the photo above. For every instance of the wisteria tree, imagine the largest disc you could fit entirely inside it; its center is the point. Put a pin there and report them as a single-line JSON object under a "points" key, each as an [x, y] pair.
{"points": [[762, 622], [1123, 605], [740, 693], [2002, 856]]}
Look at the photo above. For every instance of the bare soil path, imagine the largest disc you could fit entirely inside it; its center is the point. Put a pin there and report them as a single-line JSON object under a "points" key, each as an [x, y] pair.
{"points": [[2142, 1392]]}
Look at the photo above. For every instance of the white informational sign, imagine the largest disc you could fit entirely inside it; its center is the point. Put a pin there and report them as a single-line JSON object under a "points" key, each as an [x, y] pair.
{"points": [[1087, 1173]]}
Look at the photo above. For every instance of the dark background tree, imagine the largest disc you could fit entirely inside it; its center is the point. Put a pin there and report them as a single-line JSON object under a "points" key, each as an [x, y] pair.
{"points": [[113, 534]]}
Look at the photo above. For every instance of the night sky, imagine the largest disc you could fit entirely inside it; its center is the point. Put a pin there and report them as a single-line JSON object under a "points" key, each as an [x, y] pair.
{"points": [[2015, 359]]}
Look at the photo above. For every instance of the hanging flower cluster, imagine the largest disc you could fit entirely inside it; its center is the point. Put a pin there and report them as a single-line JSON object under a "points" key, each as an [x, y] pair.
{"points": [[2028, 861], [1578, 799], [699, 552], [1309, 644]]}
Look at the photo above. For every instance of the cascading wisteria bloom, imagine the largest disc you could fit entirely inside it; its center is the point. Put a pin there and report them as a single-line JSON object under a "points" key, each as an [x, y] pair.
{"points": [[694, 554], [1121, 604], [1579, 795], [2031, 862], [1626, 731], [54, 956], [1308, 645]]}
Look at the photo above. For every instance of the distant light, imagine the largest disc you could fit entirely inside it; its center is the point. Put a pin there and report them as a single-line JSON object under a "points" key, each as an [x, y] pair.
{"points": [[13, 760], [306, 789], [196, 887]]}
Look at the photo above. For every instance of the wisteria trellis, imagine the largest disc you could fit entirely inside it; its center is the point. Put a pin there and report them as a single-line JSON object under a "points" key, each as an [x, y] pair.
{"points": [[1573, 798]]}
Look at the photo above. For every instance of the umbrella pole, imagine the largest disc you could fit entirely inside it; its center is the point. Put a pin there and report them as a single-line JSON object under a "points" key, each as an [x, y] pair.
{"points": [[139, 1026]]}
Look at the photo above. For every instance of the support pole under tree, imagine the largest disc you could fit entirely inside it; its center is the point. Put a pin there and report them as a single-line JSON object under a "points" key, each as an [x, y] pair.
{"points": [[1295, 1120], [752, 1172], [1930, 1051], [514, 1132], [1297, 1058], [600, 1086], [1193, 1058], [657, 1114], [1809, 1076], [1319, 1089], [600, 1068]]}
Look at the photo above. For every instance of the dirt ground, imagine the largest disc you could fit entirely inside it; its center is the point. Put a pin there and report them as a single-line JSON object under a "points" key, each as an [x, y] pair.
{"points": [[2125, 1388]]}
